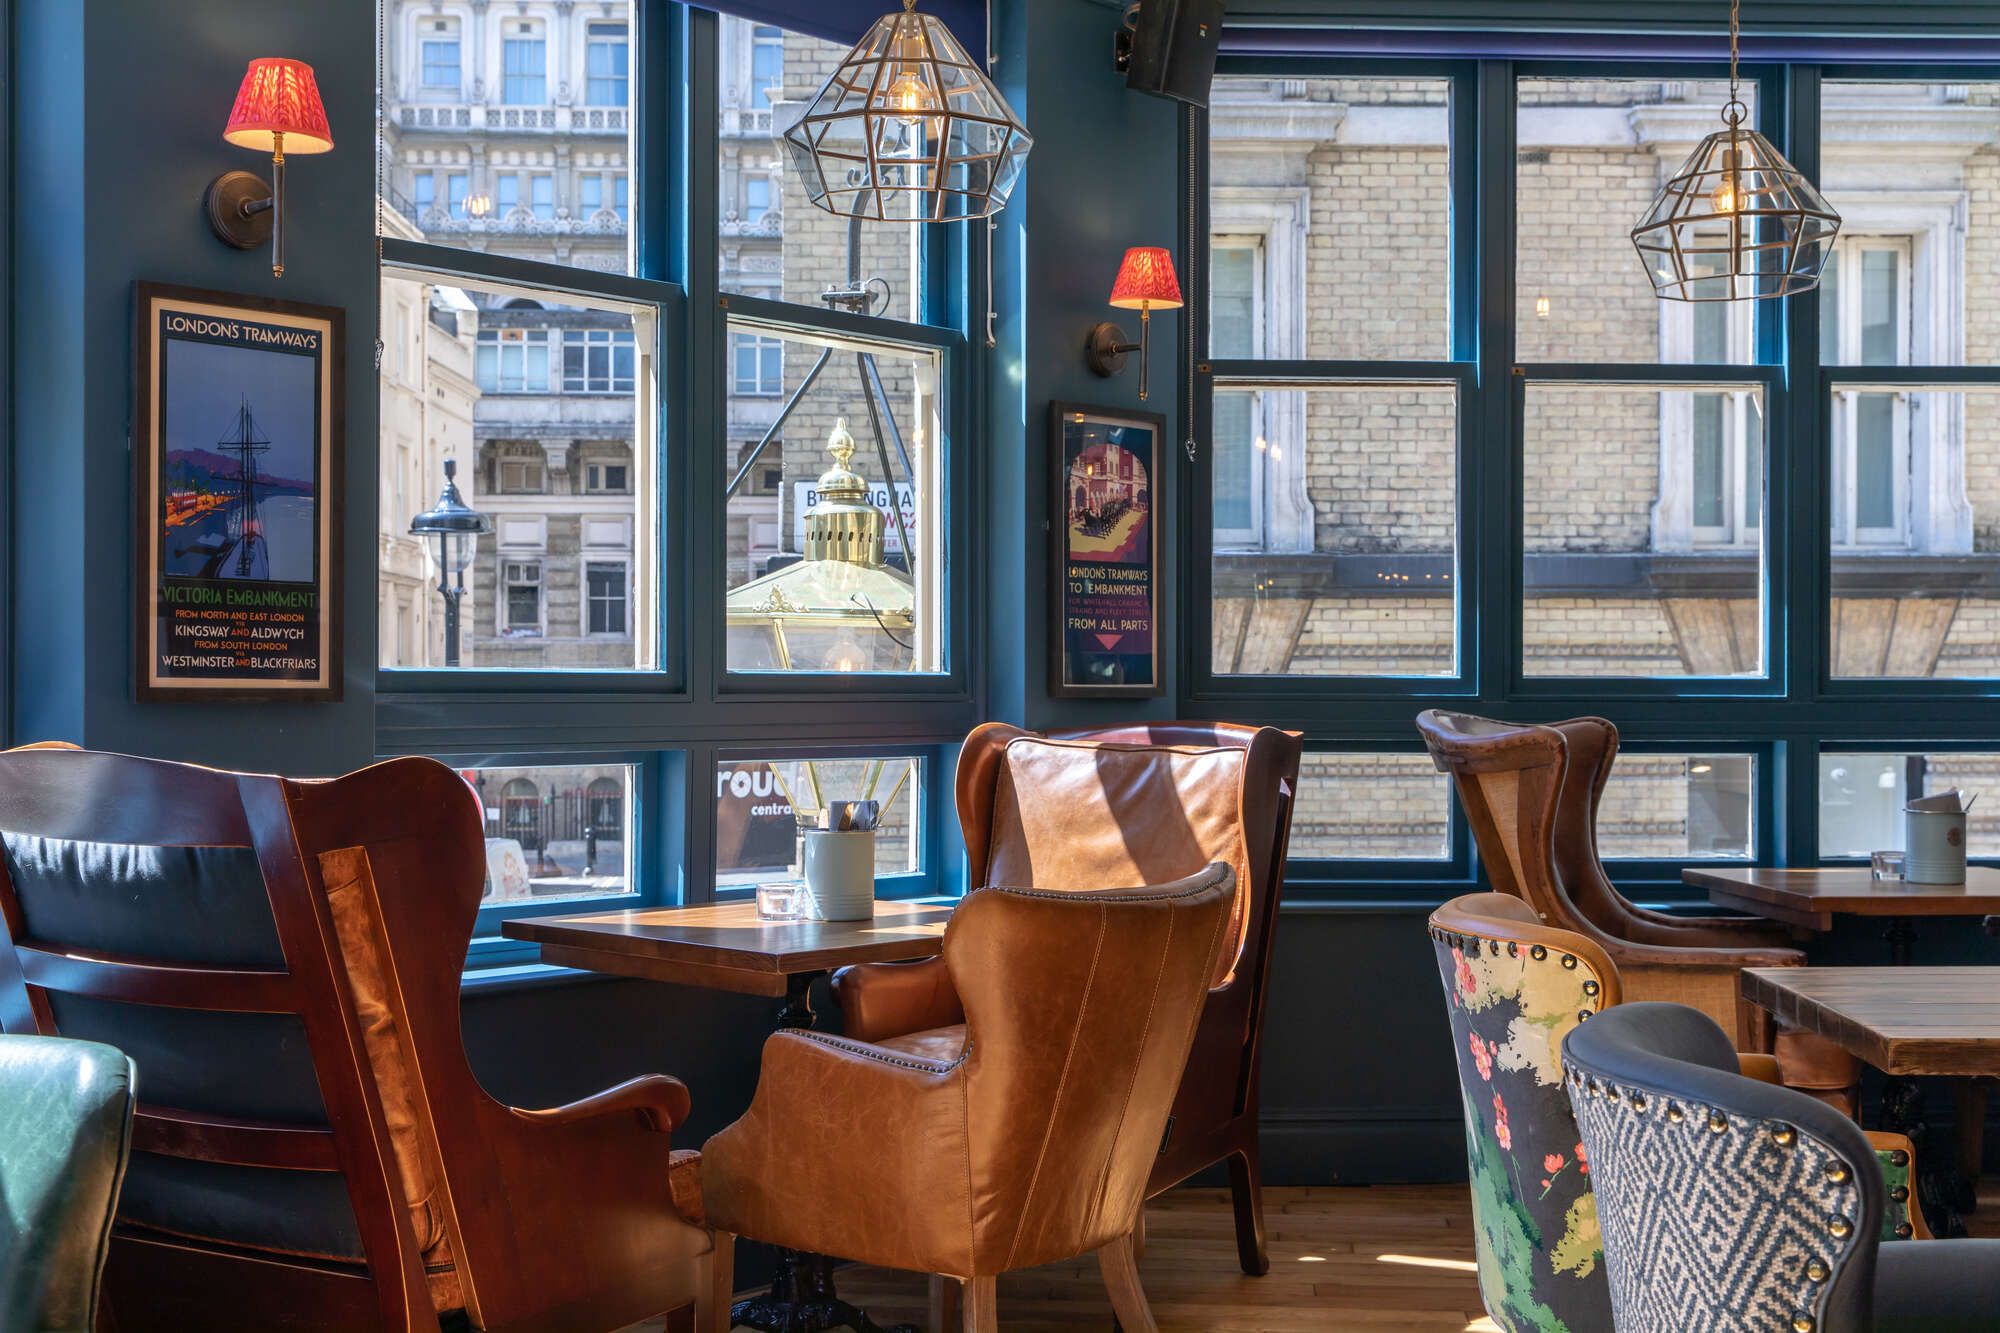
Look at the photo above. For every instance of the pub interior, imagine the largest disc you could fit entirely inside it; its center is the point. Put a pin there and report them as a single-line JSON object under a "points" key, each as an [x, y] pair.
{"points": [[1030, 664]]}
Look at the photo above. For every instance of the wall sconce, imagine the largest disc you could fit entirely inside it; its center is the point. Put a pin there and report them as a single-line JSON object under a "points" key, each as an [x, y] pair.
{"points": [[1145, 281], [277, 108]]}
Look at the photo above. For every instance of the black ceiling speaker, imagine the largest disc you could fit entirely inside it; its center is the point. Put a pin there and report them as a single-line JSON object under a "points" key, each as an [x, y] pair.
{"points": [[1167, 47]]}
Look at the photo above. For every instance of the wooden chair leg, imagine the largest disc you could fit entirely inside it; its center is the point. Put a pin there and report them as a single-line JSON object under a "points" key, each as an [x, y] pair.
{"points": [[718, 1288], [1246, 1191], [944, 1317], [982, 1305], [1121, 1279]]}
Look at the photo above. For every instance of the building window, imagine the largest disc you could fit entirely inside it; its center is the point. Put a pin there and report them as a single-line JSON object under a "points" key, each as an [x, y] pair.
{"points": [[521, 476], [590, 196], [767, 66], [604, 597], [1241, 441], [521, 602], [441, 71], [622, 199], [761, 803], [506, 194], [457, 188], [1677, 807], [598, 361], [756, 198], [423, 192], [524, 66], [607, 479], [543, 187], [513, 361], [1865, 320], [759, 364], [607, 56]]}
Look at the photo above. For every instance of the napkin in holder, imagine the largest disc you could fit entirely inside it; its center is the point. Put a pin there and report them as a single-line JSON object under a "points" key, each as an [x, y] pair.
{"points": [[1934, 839]]}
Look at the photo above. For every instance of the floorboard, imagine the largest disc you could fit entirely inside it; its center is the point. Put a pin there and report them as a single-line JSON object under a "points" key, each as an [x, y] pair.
{"points": [[1394, 1258]]}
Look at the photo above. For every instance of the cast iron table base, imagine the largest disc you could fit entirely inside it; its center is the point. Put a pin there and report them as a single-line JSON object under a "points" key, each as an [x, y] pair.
{"points": [[802, 1298]]}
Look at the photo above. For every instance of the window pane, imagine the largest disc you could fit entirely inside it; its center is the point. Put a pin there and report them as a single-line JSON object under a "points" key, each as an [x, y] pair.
{"points": [[1861, 798], [1350, 566], [1389, 807], [817, 570], [1915, 529], [1909, 167], [1679, 807], [1592, 153], [485, 126], [556, 831], [760, 805], [484, 376], [774, 242], [1627, 574], [1346, 185]]}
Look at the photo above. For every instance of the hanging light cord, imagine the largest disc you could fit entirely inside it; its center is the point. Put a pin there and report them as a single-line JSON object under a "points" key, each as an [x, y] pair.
{"points": [[1735, 113]]}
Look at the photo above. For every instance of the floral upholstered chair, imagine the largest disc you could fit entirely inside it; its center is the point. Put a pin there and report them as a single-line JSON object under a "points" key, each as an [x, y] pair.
{"points": [[1515, 990]]}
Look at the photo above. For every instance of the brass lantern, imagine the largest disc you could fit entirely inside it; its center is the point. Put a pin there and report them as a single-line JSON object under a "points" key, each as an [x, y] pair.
{"points": [[841, 608]]}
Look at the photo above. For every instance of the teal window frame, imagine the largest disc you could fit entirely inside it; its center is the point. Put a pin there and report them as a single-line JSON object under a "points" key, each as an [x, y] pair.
{"points": [[674, 720], [1783, 719]]}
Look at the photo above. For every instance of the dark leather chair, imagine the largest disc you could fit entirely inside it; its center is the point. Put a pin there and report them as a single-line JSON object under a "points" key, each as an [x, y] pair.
{"points": [[1514, 989], [1020, 1134], [281, 961], [1136, 804], [1726, 1203], [1511, 779], [65, 1133]]}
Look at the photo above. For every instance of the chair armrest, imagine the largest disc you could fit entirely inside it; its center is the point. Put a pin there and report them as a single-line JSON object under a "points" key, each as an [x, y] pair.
{"points": [[1763, 1068], [883, 1000], [1627, 954], [661, 1101], [1708, 932], [1902, 1218]]}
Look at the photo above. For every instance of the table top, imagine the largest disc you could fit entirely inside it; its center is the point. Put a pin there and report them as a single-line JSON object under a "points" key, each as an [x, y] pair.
{"points": [[1813, 897], [1902, 1020], [726, 946]]}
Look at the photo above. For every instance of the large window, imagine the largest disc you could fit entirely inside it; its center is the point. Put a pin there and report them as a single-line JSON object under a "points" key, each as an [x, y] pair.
{"points": [[1453, 452], [714, 541]]}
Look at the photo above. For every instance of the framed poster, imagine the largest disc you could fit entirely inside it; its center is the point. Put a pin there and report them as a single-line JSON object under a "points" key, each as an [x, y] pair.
{"points": [[236, 459], [1107, 552]]}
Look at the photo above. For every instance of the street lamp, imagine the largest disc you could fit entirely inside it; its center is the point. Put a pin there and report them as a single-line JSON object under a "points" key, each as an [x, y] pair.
{"points": [[457, 528]]}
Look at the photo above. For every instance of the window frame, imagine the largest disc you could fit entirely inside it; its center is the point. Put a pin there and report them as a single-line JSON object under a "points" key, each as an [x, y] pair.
{"points": [[675, 718], [1783, 720]]}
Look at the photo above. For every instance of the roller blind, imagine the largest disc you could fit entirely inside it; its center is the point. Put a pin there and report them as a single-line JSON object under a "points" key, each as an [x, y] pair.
{"points": [[845, 20]]}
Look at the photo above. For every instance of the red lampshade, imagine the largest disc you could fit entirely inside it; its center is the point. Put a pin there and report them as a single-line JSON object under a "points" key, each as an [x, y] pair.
{"points": [[279, 96], [1146, 278]]}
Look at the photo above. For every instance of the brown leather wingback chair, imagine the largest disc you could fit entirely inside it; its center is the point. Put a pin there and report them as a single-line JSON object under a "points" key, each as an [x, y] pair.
{"points": [[1511, 780], [281, 961], [1134, 804], [1019, 1135]]}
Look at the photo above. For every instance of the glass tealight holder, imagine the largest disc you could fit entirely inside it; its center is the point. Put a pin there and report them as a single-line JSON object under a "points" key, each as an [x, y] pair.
{"points": [[782, 900], [1886, 865]]}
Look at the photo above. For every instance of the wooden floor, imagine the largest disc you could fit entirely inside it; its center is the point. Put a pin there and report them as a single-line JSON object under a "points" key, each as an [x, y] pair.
{"points": [[1353, 1259]]}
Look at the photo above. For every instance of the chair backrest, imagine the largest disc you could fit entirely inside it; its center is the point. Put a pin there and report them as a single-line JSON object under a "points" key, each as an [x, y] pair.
{"points": [[221, 929], [1592, 746], [1080, 1009], [1514, 989], [1142, 804], [65, 1131], [1725, 1203]]}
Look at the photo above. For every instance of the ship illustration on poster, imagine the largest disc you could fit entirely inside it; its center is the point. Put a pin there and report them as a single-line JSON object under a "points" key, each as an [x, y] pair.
{"points": [[227, 515]]}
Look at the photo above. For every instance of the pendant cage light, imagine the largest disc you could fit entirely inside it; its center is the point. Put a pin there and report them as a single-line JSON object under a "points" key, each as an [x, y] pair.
{"points": [[908, 129], [1737, 222]]}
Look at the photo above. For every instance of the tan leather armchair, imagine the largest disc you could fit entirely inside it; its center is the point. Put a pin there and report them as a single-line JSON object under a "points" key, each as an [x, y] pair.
{"points": [[1019, 1135], [1128, 805]]}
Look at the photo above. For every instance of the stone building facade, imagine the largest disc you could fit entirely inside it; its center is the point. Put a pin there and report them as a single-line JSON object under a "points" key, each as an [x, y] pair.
{"points": [[1335, 524]]}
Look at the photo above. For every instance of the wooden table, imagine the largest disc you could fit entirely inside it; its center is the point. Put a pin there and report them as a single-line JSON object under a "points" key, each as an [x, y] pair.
{"points": [[1907, 1022], [728, 947], [1811, 898]]}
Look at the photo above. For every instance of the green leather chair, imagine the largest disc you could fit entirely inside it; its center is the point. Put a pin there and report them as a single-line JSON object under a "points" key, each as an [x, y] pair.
{"points": [[65, 1134]]}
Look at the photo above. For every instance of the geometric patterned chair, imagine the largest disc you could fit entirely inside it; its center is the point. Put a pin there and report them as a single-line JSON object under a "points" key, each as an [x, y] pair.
{"points": [[1515, 989], [1730, 1204]]}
